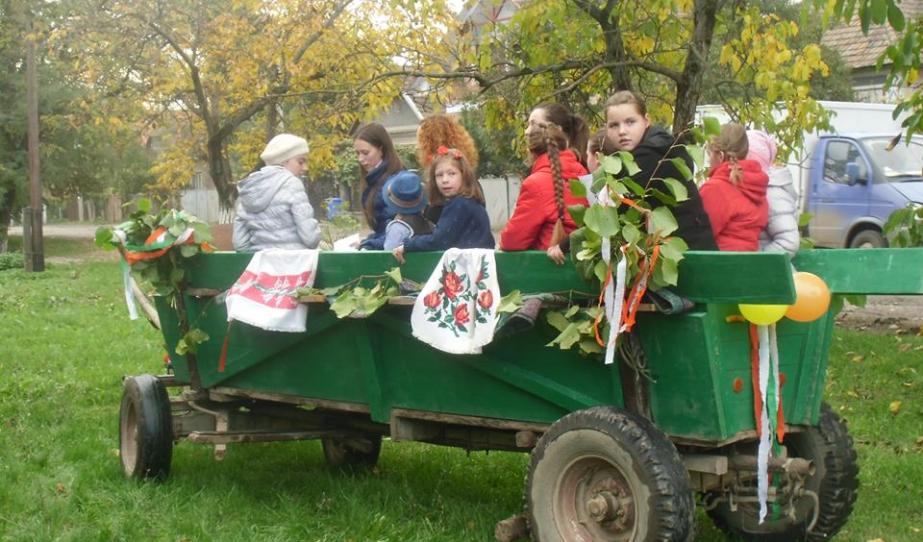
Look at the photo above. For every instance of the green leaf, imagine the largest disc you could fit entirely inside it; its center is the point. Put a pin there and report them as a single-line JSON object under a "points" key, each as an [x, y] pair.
{"points": [[680, 164], [628, 161], [104, 238], [600, 270], [511, 302], [895, 17], [662, 222], [673, 248], [804, 219], [631, 233], [571, 311], [603, 220], [610, 164], [589, 346], [176, 275], [635, 188], [344, 304], [577, 188], [568, 337], [677, 188], [879, 11], [395, 274], [697, 153], [599, 179], [144, 205], [189, 251], [577, 212], [712, 127], [557, 320], [203, 232], [669, 271]]}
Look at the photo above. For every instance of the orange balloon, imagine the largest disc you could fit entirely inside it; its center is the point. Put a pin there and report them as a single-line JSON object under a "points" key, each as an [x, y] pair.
{"points": [[812, 298]]}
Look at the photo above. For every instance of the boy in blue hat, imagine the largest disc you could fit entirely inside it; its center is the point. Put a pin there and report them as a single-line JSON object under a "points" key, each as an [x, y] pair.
{"points": [[404, 200]]}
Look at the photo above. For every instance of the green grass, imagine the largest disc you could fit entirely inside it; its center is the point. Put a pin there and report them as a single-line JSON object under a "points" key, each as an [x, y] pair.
{"points": [[60, 247], [66, 341]]}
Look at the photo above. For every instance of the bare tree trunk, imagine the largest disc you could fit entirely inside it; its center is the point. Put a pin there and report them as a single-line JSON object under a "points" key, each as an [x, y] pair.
{"points": [[219, 167], [689, 85]]}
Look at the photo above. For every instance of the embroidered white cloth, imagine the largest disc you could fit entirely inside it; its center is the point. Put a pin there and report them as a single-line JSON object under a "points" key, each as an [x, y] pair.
{"points": [[456, 311], [264, 295]]}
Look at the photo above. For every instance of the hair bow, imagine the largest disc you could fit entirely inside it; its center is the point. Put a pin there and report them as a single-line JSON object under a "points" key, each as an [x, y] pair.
{"points": [[442, 150]]}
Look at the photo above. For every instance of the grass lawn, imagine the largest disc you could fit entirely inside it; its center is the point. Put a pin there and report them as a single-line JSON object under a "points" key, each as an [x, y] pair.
{"points": [[65, 342]]}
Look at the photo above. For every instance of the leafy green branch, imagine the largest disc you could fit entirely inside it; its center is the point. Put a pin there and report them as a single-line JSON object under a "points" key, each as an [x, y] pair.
{"points": [[356, 299], [904, 227]]}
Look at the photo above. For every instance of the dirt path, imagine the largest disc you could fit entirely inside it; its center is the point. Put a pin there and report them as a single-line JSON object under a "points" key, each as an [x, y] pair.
{"points": [[68, 231], [885, 313]]}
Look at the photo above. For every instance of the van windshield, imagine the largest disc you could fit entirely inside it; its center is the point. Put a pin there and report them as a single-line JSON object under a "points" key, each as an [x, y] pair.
{"points": [[903, 162]]}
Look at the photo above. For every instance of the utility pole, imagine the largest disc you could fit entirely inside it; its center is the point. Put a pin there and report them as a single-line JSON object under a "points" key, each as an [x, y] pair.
{"points": [[32, 246]]}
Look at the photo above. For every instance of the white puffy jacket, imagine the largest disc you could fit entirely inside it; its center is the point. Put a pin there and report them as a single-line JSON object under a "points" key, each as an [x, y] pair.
{"points": [[781, 234], [273, 211]]}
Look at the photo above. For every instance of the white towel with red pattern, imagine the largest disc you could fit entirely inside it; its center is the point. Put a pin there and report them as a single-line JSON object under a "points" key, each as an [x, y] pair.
{"points": [[265, 294], [456, 311]]}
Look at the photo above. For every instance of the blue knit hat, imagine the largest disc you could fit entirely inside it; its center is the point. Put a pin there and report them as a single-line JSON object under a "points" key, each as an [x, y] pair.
{"points": [[403, 194]]}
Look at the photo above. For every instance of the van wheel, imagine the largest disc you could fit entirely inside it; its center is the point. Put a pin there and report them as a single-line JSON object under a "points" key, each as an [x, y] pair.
{"points": [[868, 239], [607, 475], [145, 428]]}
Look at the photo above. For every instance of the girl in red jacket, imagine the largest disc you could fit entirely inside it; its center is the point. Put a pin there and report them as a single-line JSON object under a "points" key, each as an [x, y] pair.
{"points": [[734, 195], [540, 218]]}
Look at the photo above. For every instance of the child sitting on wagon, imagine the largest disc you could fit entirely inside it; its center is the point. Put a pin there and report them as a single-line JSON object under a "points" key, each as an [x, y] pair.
{"points": [[404, 200], [464, 222]]}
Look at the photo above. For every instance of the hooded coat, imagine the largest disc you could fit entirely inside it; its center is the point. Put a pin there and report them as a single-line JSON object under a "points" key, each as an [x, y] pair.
{"points": [[653, 157], [273, 211], [536, 211], [781, 233], [738, 212]]}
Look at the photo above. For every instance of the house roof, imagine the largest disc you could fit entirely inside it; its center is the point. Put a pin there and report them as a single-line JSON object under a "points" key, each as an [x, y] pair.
{"points": [[861, 51]]}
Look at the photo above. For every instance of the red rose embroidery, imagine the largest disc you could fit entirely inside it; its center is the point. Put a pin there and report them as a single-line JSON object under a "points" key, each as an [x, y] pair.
{"points": [[452, 285], [461, 315], [486, 299], [432, 300]]}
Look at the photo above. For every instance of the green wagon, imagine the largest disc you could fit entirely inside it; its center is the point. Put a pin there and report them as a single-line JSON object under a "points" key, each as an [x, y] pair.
{"points": [[615, 455]]}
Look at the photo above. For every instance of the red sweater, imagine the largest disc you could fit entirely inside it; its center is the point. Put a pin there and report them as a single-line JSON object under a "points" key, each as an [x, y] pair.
{"points": [[536, 211], [738, 213]]}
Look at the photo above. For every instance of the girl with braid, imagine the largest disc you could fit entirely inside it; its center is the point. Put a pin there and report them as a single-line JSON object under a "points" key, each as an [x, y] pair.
{"points": [[540, 218], [734, 195]]}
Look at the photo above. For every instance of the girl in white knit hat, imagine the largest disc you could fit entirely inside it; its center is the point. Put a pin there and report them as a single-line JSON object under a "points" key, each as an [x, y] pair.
{"points": [[273, 210]]}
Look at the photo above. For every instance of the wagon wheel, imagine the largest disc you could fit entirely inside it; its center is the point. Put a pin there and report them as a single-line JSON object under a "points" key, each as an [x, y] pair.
{"points": [[835, 481], [352, 453], [145, 428], [603, 474]]}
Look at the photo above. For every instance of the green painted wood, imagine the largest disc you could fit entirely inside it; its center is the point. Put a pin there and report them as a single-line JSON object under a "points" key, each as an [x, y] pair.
{"points": [[705, 277], [881, 271], [376, 361]]}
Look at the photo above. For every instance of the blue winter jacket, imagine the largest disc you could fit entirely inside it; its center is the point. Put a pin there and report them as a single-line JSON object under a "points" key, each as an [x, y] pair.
{"points": [[463, 224], [373, 183]]}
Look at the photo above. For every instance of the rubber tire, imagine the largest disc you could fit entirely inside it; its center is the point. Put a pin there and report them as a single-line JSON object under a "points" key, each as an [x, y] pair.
{"points": [[340, 454], [871, 237], [630, 445], [145, 428], [836, 481]]}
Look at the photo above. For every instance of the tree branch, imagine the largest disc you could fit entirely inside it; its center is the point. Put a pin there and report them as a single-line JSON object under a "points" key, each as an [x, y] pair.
{"points": [[337, 11]]}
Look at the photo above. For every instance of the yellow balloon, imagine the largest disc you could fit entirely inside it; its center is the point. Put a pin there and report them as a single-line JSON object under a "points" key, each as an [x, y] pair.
{"points": [[812, 298], [762, 315]]}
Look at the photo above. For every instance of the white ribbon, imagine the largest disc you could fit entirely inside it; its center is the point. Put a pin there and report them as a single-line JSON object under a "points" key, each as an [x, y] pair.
{"points": [[762, 461]]}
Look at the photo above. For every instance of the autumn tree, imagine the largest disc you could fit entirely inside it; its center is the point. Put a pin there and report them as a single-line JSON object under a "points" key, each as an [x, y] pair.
{"points": [[581, 51], [232, 72]]}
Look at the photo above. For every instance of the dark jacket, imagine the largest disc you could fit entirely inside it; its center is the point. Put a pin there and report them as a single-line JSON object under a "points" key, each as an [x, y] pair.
{"points": [[373, 183], [694, 227], [463, 224], [738, 212], [536, 211]]}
